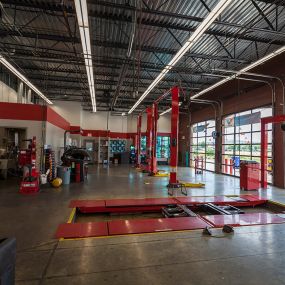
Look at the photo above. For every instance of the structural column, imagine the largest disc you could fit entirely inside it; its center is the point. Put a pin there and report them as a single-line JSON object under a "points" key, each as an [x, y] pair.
{"points": [[149, 137], [153, 160], [138, 141], [278, 142], [218, 145], [184, 140], [174, 134]]}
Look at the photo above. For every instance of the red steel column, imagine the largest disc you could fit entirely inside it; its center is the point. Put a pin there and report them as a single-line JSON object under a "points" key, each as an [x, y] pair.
{"points": [[174, 135], [149, 137], [263, 154], [138, 142], [153, 169]]}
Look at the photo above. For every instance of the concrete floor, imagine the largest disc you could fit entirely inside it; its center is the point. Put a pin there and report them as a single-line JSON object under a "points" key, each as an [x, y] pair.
{"points": [[253, 255]]}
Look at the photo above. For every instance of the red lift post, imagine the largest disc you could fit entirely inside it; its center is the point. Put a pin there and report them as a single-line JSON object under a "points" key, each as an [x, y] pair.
{"points": [[138, 141], [153, 160], [174, 135], [264, 145], [149, 138]]}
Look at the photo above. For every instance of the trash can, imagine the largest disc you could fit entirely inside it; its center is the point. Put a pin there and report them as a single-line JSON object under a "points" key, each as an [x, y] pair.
{"points": [[7, 261], [63, 172], [249, 175]]}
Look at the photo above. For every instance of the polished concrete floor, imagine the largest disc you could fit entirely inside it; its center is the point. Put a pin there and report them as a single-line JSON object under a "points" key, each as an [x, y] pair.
{"points": [[252, 255]]}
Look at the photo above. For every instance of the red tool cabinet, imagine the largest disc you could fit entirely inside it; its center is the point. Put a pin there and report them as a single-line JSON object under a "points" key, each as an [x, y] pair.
{"points": [[249, 175]]}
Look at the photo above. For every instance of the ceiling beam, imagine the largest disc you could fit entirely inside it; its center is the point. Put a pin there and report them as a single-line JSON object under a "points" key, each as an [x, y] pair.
{"points": [[148, 21], [106, 44]]}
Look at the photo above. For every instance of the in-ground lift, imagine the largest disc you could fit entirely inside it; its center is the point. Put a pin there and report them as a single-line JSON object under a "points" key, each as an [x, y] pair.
{"points": [[240, 210]]}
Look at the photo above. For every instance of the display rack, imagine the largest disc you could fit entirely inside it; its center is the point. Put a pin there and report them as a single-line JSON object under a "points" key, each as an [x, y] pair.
{"points": [[92, 146], [103, 150]]}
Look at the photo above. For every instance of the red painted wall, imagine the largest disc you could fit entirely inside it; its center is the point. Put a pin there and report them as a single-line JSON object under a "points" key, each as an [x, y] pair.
{"points": [[32, 112], [16, 111], [55, 119]]}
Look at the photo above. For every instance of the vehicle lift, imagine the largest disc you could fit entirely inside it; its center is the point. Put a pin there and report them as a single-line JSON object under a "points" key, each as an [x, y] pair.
{"points": [[151, 137], [30, 182]]}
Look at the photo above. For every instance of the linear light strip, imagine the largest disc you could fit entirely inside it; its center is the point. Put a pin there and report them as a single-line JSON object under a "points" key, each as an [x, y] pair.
{"points": [[24, 79], [168, 110], [245, 69], [82, 19], [219, 8]]}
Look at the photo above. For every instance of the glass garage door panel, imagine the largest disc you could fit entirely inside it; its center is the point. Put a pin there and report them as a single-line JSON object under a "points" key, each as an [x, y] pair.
{"points": [[203, 144], [242, 138]]}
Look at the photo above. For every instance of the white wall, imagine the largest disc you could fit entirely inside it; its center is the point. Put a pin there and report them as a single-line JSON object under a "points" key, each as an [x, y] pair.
{"points": [[33, 128], [163, 123], [7, 94], [70, 111], [100, 121], [55, 138]]}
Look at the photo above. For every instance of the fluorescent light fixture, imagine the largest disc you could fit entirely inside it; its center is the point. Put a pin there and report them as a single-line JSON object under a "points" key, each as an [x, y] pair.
{"points": [[219, 8], [24, 79], [82, 19], [245, 69], [168, 110]]}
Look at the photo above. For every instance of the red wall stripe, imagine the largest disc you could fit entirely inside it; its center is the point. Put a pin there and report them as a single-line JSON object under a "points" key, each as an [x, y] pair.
{"points": [[113, 135], [16, 111], [57, 120], [32, 112]]}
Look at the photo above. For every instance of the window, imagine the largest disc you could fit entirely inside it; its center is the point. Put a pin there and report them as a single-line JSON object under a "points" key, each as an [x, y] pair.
{"points": [[203, 144], [163, 147], [242, 138]]}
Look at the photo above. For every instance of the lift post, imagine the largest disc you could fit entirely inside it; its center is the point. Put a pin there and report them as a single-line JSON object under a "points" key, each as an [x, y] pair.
{"points": [[149, 138], [153, 160], [174, 135], [138, 141]]}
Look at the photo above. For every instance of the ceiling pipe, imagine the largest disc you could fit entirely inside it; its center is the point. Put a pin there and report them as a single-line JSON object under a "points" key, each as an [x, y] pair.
{"points": [[125, 64], [263, 76]]}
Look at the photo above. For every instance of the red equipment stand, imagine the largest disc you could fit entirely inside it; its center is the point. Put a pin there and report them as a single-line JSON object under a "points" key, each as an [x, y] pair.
{"points": [[174, 136], [249, 175], [199, 165], [30, 182]]}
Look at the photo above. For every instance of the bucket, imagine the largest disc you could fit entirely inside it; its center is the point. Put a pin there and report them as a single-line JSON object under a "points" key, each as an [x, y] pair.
{"points": [[43, 178]]}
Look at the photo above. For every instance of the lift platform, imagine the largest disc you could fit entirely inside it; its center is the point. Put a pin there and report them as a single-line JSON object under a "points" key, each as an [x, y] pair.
{"points": [[74, 229]]}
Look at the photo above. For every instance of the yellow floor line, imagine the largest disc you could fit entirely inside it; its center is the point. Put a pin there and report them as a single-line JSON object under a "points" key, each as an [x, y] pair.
{"points": [[192, 185], [71, 216]]}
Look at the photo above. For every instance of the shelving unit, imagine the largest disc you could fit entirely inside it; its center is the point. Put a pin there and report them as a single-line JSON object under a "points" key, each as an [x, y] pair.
{"points": [[103, 150], [92, 146]]}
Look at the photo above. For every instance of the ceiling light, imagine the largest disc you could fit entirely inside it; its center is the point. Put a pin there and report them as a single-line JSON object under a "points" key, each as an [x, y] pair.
{"points": [[24, 79], [219, 8], [245, 69], [82, 19], [168, 110]]}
